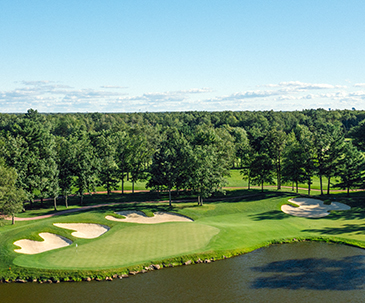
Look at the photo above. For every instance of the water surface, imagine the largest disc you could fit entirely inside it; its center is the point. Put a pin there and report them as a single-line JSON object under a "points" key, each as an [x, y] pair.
{"points": [[301, 272]]}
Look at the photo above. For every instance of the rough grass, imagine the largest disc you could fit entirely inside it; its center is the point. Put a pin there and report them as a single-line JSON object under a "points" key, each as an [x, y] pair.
{"points": [[222, 227]]}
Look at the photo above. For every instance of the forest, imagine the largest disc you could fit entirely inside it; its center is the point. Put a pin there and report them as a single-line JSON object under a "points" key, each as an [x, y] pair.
{"points": [[54, 155]]}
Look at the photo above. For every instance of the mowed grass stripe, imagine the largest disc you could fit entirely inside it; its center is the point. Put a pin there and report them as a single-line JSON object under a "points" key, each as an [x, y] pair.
{"points": [[127, 246]]}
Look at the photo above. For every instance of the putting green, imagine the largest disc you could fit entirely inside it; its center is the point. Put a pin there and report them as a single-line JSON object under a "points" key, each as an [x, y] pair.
{"points": [[130, 245]]}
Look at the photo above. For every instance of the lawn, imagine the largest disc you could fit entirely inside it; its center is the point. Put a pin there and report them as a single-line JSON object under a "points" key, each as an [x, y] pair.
{"points": [[221, 227]]}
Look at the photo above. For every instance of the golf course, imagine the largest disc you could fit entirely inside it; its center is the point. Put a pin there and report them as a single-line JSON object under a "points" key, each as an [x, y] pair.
{"points": [[237, 223]]}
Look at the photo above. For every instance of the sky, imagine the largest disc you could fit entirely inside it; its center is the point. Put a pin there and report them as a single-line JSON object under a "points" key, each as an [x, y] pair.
{"points": [[181, 55]]}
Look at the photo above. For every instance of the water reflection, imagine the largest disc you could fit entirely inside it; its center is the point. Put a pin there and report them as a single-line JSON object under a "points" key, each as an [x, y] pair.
{"points": [[320, 274]]}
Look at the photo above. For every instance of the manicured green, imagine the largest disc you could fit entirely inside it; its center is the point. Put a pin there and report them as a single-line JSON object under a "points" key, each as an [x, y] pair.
{"points": [[226, 227]]}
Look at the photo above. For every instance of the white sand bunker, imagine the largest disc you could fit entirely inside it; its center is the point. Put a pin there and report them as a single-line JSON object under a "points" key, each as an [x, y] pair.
{"points": [[84, 230], [51, 241], [312, 208], [140, 217]]}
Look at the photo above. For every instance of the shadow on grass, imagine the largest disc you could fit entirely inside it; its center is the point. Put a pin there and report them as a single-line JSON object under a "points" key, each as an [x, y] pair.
{"points": [[346, 228], [270, 215], [353, 214], [312, 273]]}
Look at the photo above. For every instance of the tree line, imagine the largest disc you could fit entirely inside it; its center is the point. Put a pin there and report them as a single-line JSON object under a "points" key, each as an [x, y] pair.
{"points": [[46, 155]]}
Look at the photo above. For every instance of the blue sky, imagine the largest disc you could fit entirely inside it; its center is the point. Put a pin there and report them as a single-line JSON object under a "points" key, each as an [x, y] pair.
{"points": [[131, 56]]}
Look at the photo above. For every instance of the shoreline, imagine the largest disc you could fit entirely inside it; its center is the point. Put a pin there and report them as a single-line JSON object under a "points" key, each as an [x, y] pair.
{"points": [[34, 275]]}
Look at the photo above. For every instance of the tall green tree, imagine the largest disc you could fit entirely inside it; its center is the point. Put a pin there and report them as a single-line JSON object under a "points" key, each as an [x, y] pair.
{"points": [[65, 161], [123, 155], [294, 160], [305, 139], [322, 140], [170, 162], [275, 143], [262, 169], [212, 157], [358, 135], [84, 164], [11, 197], [30, 149], [143, 144], [105, 146], [351, 169], [334, 154]]}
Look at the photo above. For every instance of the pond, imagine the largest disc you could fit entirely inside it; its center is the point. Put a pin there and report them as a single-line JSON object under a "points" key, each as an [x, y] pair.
{"points": [[300, 272]]}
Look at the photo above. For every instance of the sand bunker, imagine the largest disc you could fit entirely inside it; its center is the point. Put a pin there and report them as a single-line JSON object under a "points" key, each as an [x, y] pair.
{"points": [[51, 241], [84, 230], [312, 208], [140, 217]]}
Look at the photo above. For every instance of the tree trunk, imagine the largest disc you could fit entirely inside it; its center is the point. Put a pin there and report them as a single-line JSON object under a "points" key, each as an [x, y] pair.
{"points": [[279, 174], [66, 202], [320, 182], [55, 203], [329, 185], [198, 200], [296, 185], [262, 186], [309, 187], [348, 191], [248, 181], [169, 196], [122, 185], [81, 199], [12, 219], [41, 202], [201, 201], [292, 186], [31, 203], [132, 187]]}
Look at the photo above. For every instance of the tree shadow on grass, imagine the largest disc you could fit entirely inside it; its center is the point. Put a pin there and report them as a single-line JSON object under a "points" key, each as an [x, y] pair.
{"points": [[353, 214], [346, 228], [138, 207], [270, 215], [312, 273]]}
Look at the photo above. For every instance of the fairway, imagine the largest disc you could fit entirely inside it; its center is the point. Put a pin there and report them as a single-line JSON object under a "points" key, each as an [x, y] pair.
{"points": [[219, 228]]}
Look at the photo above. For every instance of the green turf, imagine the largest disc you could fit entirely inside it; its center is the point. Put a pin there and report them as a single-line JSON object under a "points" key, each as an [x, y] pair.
{"points": [[240, 224], [126, 246]]}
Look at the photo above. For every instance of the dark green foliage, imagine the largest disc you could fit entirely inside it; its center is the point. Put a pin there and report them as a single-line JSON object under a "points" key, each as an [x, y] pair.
{"points": [[105, 144], [30, 149], [11, 197], [261, 170], [294, 162], [351, 168], [169, 168], [63, 153], [83, 163], [358, 134]]}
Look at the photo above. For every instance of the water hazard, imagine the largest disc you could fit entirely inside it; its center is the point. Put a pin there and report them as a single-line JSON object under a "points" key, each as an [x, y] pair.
{"points": [[301, 272]]}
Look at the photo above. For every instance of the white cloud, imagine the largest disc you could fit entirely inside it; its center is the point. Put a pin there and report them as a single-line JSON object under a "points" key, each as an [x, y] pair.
{"points": [[36, 82], [249, 95], [359, 85], [196, 91], [112, 86], [297, 85], [51, 96]]}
